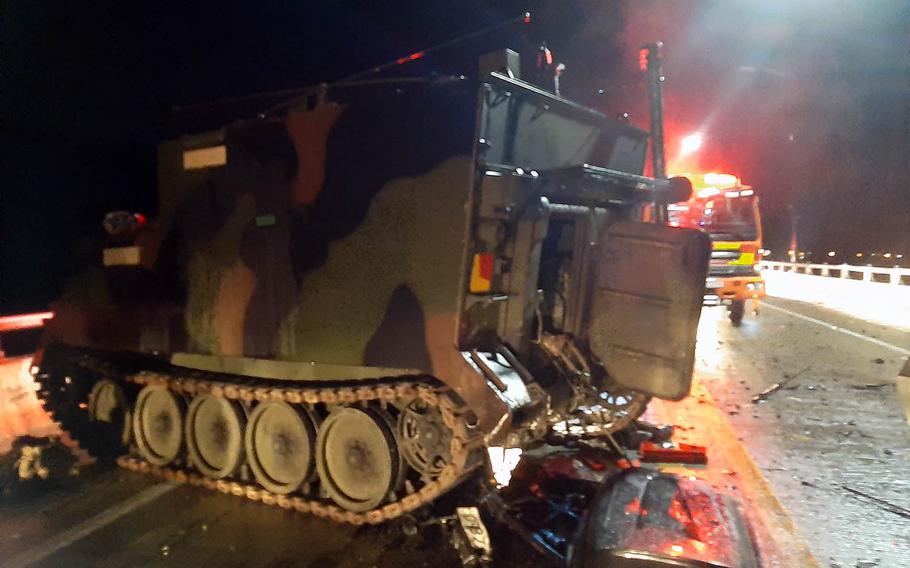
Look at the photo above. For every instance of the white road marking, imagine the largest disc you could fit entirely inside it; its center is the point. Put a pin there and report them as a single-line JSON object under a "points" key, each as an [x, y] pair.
{"points": [[80, 531], [878, 342]]}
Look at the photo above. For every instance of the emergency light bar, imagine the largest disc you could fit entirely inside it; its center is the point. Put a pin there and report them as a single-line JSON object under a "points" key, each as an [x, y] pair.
{"points": [[723, 180]]}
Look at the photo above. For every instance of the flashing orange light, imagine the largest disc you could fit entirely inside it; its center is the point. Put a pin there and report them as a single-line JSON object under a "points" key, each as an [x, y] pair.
{"points": [[722, 180]]}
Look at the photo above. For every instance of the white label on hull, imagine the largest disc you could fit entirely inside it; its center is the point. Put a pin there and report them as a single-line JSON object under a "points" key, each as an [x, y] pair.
{"points": [[122, 256], [205, 157]]}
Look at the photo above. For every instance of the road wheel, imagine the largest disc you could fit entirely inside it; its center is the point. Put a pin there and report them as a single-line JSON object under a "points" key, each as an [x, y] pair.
{"points": [[158, 425], [109, 410], [214, 435], [357, 458], [737, 310], [279, 441]]}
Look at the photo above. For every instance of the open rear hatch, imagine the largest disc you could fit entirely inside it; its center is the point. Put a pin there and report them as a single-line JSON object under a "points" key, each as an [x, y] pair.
{"points": [[645, 305]]}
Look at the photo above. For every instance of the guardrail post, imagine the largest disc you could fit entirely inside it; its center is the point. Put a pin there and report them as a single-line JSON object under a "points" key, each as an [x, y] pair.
{"points": [[844, 271]]}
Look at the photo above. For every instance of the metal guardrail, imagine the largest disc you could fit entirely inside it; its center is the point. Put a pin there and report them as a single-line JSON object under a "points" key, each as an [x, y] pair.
{"points": [[894, 276]]}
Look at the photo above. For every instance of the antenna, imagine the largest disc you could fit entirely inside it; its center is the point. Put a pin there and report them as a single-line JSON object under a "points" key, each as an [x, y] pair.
{"points": [[524, 18]]}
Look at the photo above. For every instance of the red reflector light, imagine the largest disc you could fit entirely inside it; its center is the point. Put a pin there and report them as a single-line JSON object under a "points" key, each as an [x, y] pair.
{"points": [[407, 58], [486, 266], [679, 453], [748, 247]]}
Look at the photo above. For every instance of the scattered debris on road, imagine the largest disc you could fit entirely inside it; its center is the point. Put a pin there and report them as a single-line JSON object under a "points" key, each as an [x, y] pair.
{"points": [[32, 458], [881, 503], [763, 395], [870, 386]]}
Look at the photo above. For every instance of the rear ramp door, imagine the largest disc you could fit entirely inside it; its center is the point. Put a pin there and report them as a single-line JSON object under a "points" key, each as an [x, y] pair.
{"points": [[645, 305]]}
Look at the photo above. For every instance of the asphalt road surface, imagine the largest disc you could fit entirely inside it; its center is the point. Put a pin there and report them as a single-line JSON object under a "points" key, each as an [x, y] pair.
{"points": [[833, 429], [112, 518]]}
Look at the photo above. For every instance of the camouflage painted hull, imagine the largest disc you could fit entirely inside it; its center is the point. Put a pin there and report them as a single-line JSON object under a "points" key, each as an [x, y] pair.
{"points": [[432, 260]]}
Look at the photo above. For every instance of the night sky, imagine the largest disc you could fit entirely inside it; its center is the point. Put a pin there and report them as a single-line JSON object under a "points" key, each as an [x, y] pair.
{"points": [[806, 100]]}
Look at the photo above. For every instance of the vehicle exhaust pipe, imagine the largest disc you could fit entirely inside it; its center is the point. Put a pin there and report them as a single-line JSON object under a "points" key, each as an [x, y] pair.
{"points": [[650, 61]]}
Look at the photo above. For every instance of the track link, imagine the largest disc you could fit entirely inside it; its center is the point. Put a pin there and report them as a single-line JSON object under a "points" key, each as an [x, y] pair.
{"points": [[67, 382]]}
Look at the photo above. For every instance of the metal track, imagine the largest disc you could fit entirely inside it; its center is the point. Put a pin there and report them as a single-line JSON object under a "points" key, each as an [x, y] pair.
{"points": [[466, 442]]}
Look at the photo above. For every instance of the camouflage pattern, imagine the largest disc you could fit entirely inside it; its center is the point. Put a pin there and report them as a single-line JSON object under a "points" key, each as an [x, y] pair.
{"points": [[330, 235]]}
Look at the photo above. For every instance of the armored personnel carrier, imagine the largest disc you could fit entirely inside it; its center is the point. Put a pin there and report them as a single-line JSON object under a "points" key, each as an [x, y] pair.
{"points": [[341, 306]]}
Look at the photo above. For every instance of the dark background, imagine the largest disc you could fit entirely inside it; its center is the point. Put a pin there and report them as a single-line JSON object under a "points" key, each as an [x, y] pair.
{"points": [[807, 100]]}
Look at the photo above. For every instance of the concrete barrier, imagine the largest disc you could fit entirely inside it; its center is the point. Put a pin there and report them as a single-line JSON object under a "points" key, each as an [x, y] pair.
{"points": [[880, 295]]}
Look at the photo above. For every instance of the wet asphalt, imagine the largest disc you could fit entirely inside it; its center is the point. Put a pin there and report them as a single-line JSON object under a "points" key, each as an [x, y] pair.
{"points": [[833, 440]]}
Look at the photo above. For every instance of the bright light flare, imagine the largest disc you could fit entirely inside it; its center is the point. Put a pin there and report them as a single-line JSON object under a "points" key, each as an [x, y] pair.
{"points": [[24, 321], [721, 180], [690, 144], [503, 461], [20, 412], [707, 192]]}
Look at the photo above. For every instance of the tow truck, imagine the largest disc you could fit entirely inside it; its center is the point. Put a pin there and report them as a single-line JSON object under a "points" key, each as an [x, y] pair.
{"points": [[727, 210]]}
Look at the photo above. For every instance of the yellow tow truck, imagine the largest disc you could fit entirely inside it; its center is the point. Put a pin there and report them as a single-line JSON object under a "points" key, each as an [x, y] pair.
{"points": [[728, 211]]}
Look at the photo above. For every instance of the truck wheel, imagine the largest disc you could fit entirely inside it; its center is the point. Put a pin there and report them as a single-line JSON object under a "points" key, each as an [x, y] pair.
{"points": [[737, 309]]}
